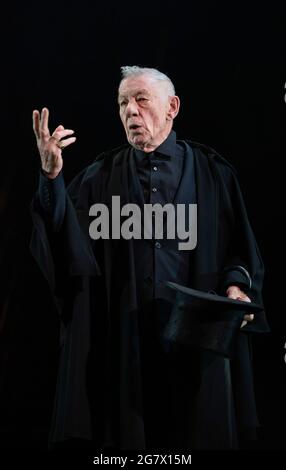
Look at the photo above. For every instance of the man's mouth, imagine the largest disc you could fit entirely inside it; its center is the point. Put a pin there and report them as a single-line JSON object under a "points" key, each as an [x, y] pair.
{"points": [[133, 127]]}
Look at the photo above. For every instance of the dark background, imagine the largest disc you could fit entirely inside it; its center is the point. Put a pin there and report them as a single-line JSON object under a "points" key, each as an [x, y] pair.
{"points": [[228, 67]]}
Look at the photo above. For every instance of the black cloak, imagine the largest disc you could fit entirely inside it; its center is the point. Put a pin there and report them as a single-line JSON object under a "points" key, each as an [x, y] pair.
{"points": [[99, 394]]}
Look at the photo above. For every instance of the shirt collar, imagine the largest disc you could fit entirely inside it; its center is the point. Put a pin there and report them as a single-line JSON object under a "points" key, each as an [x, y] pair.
{"points": [[166, 149]]}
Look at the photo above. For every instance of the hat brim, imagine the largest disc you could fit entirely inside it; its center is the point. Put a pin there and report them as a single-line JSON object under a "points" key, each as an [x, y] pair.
{"points": [[205, 320]]}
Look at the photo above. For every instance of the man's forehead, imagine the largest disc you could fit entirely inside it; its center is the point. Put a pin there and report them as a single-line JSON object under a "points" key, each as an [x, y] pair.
{"points": [[135, 85], [133, 91]]}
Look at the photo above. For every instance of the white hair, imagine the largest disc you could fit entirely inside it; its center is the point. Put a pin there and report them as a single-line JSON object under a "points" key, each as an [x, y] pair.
{"points": [[135, 70]]}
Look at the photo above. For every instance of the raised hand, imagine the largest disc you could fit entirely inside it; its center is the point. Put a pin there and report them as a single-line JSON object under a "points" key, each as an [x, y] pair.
{"points": [[50, 146]]}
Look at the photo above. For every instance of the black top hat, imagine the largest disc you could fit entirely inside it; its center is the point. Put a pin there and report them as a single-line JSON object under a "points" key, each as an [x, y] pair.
{"points": [[206, 320]]}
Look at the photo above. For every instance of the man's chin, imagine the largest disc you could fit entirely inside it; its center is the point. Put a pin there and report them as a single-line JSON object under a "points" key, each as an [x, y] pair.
{"points": [[138, 142]]}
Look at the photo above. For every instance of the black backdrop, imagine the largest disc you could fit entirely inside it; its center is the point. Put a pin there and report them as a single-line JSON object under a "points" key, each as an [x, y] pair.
{"points": [[227, 63]]}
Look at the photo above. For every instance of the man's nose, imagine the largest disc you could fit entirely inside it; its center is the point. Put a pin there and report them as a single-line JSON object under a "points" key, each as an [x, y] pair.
{"points": [[131, 109]]}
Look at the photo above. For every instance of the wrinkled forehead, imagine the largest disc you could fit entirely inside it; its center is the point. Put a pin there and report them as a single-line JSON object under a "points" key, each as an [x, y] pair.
{"points": [[134, 85]]}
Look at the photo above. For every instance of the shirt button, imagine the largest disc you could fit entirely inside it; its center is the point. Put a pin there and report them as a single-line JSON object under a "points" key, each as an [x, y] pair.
{"points": [[158, 245], [154, 190], [155, 168]]}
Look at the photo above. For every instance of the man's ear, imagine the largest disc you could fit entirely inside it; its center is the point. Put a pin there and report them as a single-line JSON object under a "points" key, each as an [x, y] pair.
{"points": [[174, 106]]}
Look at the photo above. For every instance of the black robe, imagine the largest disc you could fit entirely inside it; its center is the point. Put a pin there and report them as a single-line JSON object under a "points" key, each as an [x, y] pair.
{"points": [[205, 400]]}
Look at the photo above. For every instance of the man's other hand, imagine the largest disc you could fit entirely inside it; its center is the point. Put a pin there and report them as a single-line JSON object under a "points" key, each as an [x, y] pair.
{"points": [[234, 292]]}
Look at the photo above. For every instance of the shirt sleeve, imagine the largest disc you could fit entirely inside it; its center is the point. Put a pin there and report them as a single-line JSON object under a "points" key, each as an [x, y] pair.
{"points": [[52, 198], [236, 275]]}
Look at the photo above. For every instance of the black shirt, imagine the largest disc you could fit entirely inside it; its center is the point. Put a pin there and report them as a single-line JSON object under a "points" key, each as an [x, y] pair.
{"points": [[160, 260], [160, 171]]}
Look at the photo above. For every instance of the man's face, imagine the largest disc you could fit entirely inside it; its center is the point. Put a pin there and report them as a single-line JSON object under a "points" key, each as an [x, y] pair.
{"points": [[143, 107]]}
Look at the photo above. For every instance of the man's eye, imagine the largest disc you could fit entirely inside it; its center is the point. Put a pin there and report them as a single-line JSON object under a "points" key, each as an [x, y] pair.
{"points": [[123, 103], [141, 99]]}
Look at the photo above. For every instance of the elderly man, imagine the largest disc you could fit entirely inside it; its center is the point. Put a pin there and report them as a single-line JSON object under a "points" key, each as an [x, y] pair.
{"points": [[122, 383]]}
